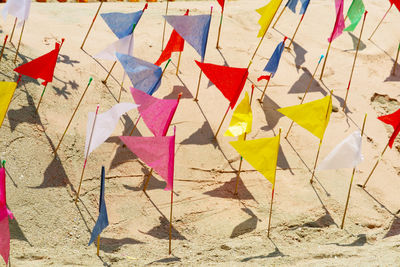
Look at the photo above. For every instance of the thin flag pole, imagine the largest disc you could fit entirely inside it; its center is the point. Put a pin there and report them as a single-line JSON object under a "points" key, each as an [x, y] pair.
{"points": [[223, 119], [41, 97], [220, 26], [109, 73], [391, 4], [91, 25], [19, 42], [354, 62], [179, 62], [170, 223], [87, 154], [326, 57], [352, 177], [134, 127], [72, 117], [165, 22], [4, 46], [376, 164], [295, 32], [305, 93], [13, 29], [395, 62], [98, 245], [265, 89], [276, 21]]}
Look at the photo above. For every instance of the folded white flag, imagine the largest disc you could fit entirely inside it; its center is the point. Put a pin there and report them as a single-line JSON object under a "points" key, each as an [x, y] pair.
{"points": [[347, 154], [122, 46], [105, 124], [17, 8]]}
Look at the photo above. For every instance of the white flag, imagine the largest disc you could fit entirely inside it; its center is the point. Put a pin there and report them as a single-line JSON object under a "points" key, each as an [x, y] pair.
{"points": [[122, 46], [345, 155], [105, 124], [17, 8]]}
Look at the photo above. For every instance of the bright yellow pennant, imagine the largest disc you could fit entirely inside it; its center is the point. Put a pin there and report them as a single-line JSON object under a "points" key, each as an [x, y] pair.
{"points": [[6, 93], [267, 15], [242, 119]]}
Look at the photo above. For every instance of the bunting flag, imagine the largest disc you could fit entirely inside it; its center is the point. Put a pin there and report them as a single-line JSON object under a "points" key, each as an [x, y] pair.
{"points": [[7, 90], [156, 113], [121, 24], [122, 46], [347, 154], [194, 29], [17, 8], [157, 152], [304, 6], [396, 3], [102, 220], [355, 14], [4, 215], [267, 15], [41, 67], [292, 4], [273, 63], [313, 116], [262, 154], [230, 81], [105, 125], [221, 3], [339, 23], [145, 76], [175, 44], [394, 120], [242, 119]]}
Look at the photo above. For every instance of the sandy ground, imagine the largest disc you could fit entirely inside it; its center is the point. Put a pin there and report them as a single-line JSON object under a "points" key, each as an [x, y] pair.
{"points": [[211, 225]]}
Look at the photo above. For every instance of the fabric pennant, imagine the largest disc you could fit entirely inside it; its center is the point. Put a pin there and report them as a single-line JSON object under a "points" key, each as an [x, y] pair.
{"points": [[291, 4], [267, 15], [156, 113], [355, 13], [157, 152], [230, 81], [273, 62], [122, 46], [313, 116], [194, 29], [7, 90], [221, 3], [105, 125], [304, 6], [242, 119], [396, 3], [262, 154], [121, 24], [144, 75], [5, 213], [347, 154], [339, 23], [102, 220], [17, 8], [394, 120]]}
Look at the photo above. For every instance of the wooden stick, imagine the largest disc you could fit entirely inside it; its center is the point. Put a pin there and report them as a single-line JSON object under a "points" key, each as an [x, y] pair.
{"points": [[147, 179], [179, 62], [219, 128], [72, 117], [19, 42], [98, 245], [170, 223], [306, 91], [376, 164], [109, 73], [13, 29], [91, 25], [165, 22], [120, 91], [297, 28], [395, 62], [351, 180], [134, 127], [4, 46], [87, 154], [265, 89], [326, 56], [283, 10], [354, 61], [220, 26], [41, 97], [391, 4]]}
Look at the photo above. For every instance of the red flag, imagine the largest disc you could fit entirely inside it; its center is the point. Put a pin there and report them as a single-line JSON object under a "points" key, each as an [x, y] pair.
{"points": [[396, 3], [264, 77], [175, 44], [228, 80], [394, 120], [41, 67], [222, 3]]}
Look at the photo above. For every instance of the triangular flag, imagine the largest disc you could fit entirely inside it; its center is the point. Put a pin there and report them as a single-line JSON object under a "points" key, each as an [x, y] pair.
{"points": [[156, 113], [157, 152], [262, 154], [194, 29], [230, 81], [396, 3], [304, 6], [339, 23], [105, 125], [394, 120], [242, 119], [267, 15], [122, 46], [355, 13], [347, 154], [121, 24], [222, 3], [144, 75], [41, 67], [313, 116], [7, 90], [273, 62], [102, 220], [4, 215], [17, 8], [175, 44], [291, 4]]}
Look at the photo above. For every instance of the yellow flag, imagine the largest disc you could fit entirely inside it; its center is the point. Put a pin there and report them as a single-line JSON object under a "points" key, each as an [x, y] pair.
{"points": [[313, 116], [242, 119], [6, 92], [267, 15], [262, 154]]}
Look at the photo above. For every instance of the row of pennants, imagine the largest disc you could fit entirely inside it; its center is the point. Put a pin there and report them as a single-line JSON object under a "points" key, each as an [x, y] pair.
{"points": [[157, 113]]}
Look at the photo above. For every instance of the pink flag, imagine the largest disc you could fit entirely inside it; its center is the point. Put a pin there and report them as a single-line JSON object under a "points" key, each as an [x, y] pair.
{"points": [[156, 113], [4, 214], [339, 23], [158, 152]]}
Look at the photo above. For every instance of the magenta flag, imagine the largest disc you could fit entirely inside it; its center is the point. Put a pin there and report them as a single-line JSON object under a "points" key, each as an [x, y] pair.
{"points": [[339, 23], [156, 113], [4, 214], [158, 152]]}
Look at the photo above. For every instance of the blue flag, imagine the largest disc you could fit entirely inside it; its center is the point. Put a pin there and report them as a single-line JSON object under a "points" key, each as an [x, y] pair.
{"points": [[273, 63], [145, 76], [304, 6], [194, 29], [291, 4], [121, 24], [102, 220]]}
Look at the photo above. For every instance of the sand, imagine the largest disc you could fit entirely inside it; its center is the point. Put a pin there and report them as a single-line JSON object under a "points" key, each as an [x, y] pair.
{"points": [[211, 225]]}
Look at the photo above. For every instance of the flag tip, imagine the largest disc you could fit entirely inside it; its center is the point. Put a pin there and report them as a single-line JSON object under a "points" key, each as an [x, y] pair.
{"points": [[90, 80], [3, 163], [146, 6]]}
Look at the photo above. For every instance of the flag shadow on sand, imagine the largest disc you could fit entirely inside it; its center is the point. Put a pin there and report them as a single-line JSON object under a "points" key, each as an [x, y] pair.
{"points": [[246, 226], [162, 231]]}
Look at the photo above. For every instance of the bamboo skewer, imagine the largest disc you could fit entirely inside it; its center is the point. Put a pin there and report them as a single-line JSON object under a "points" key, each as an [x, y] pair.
{"points": [[276, 21], [19, 42], [109, 73], [376, 164], [395, 62], [4, 46], [326, 57], [165, 22], [13, 29], [391, 4], [91, 25]]}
